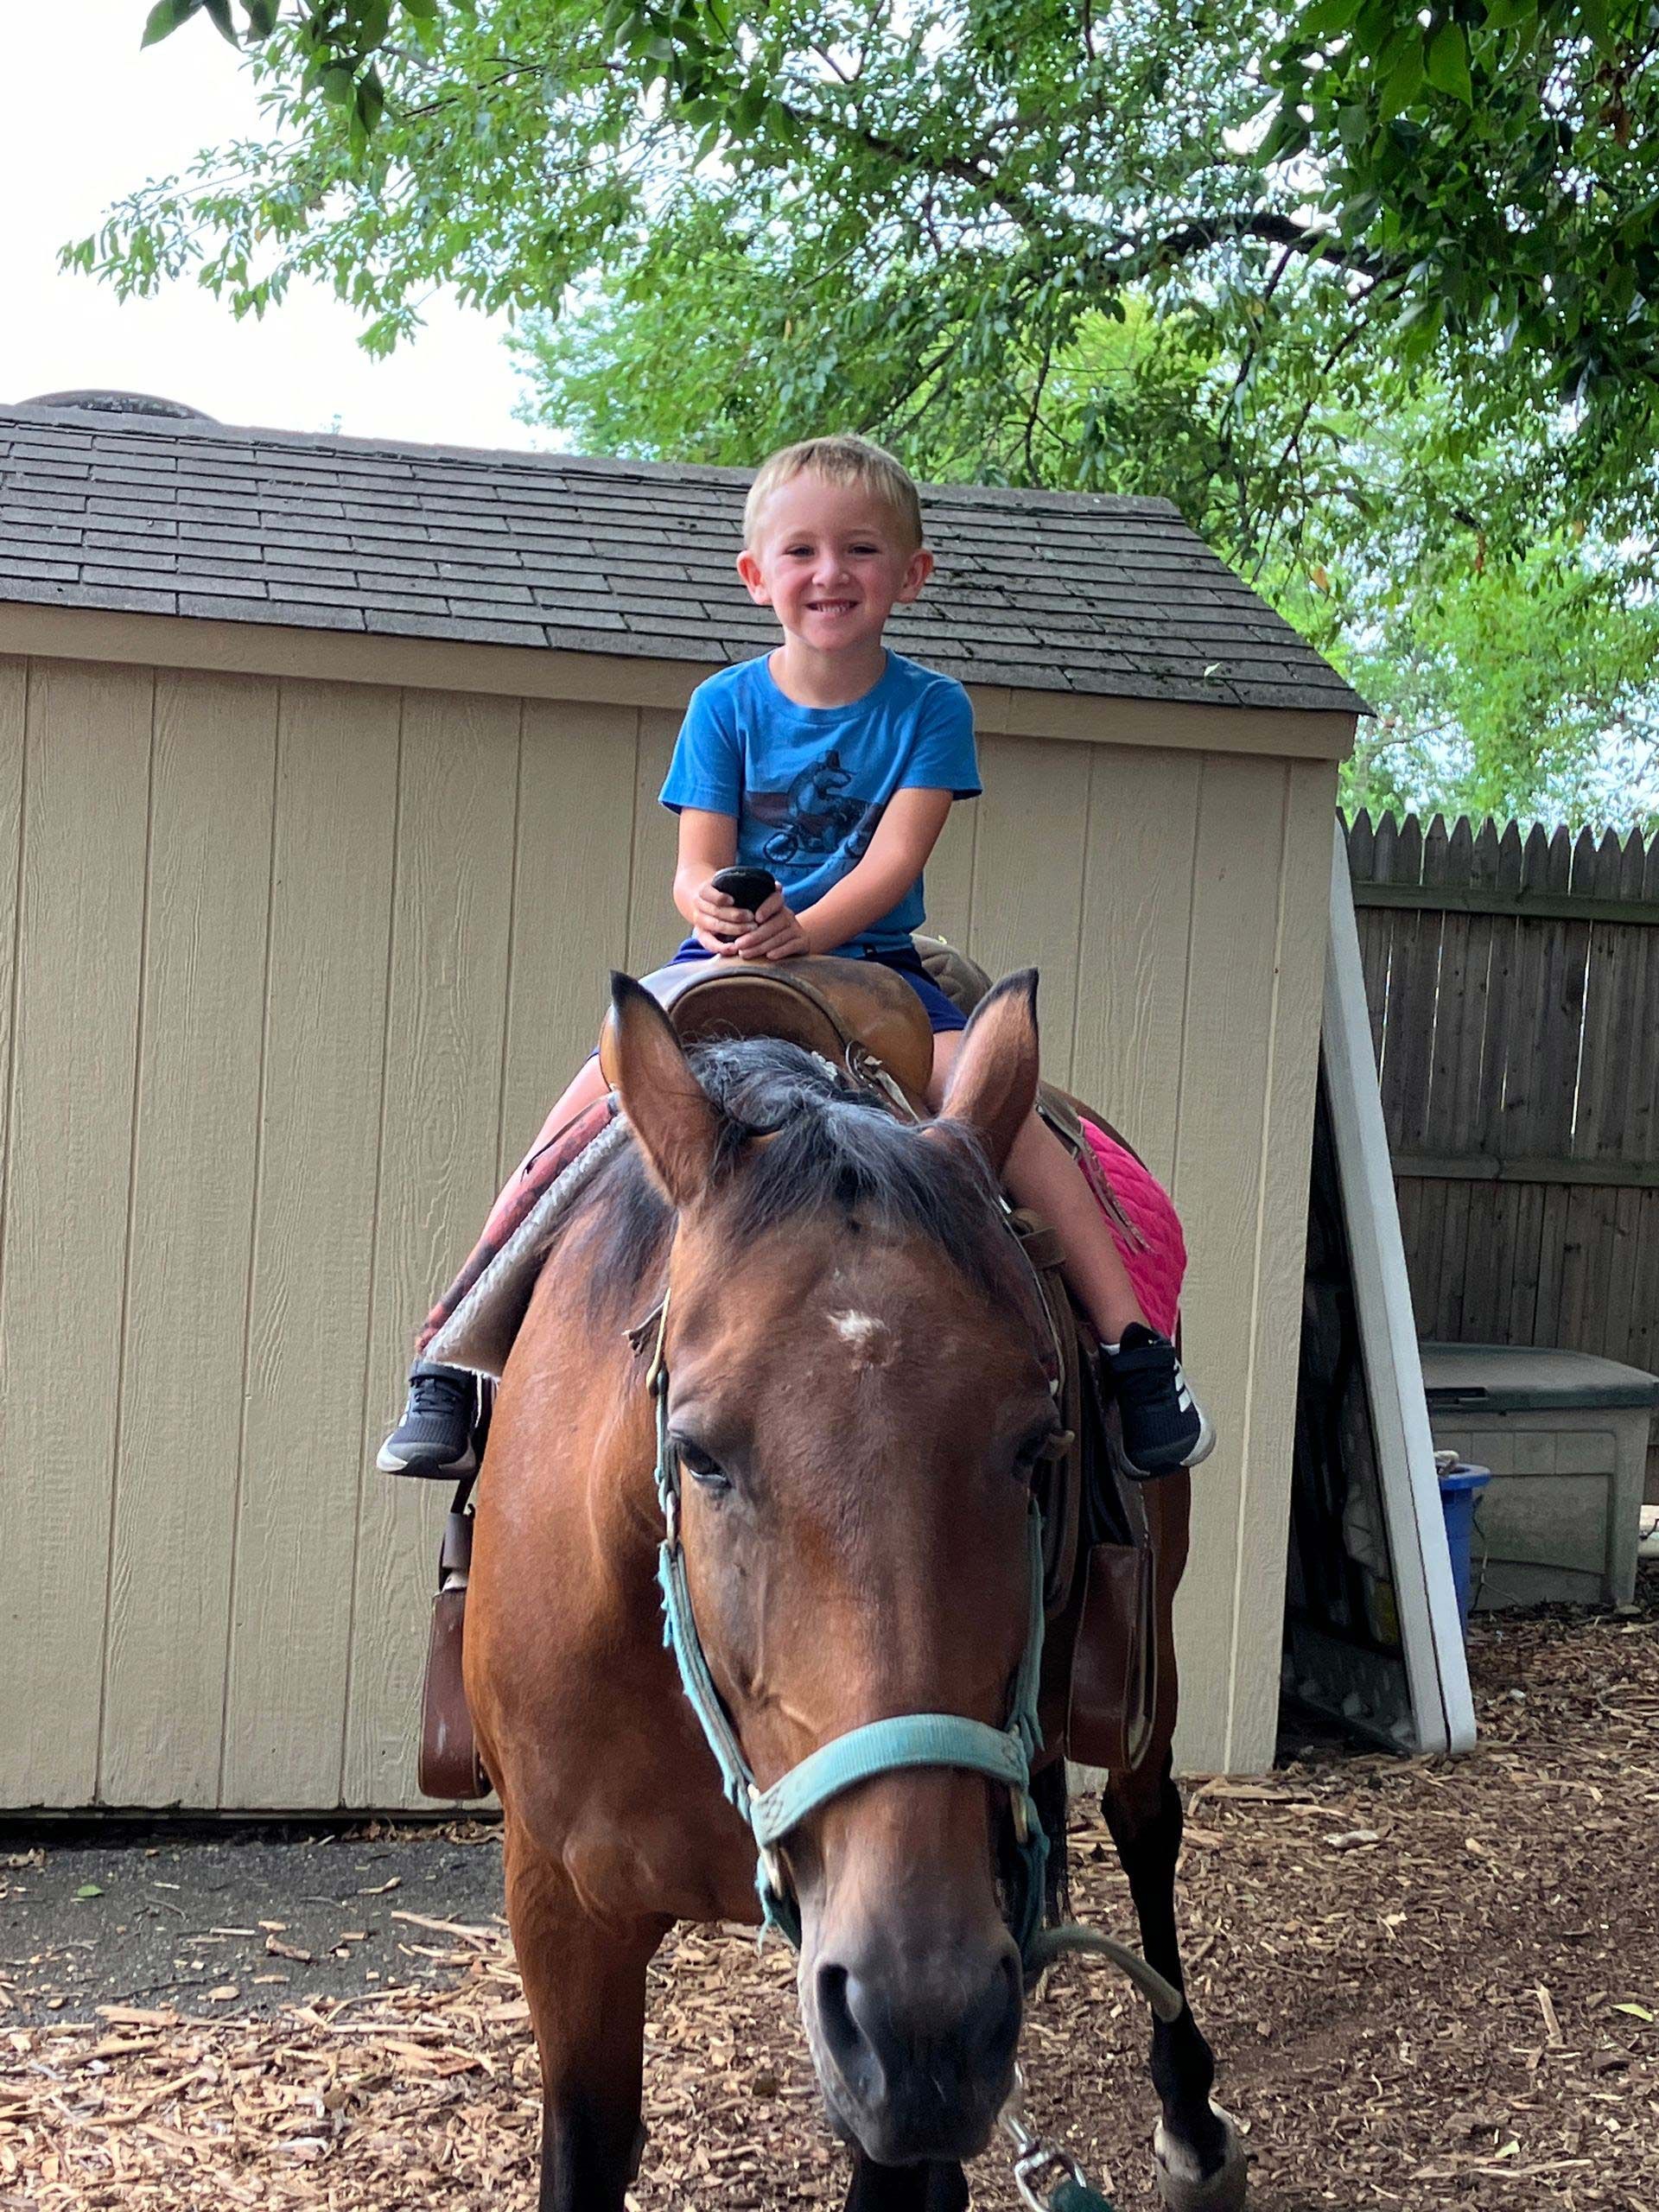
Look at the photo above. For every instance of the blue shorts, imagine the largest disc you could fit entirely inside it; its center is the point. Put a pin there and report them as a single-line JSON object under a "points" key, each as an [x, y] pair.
{"points": [[943, 1014]]}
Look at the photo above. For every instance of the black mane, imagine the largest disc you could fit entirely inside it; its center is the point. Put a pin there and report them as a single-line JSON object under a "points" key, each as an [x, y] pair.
{"points": [[832, 1149]]}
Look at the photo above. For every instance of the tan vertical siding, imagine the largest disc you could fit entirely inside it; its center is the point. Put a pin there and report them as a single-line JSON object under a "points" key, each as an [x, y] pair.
{"points": [[1225, 1054], [1143, 815], [1028, 869], [337, 793], [571, 884], [458, 787], [1250, 1668], [1225, 1128], [17, 1476], [14, 703], [289, 974], [654, 924], [950, 881], [63, 1271], [195, 1138]]}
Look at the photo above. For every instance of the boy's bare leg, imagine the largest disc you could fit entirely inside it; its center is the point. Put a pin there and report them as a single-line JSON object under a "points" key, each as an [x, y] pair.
{"points": [[1041, 1174]]}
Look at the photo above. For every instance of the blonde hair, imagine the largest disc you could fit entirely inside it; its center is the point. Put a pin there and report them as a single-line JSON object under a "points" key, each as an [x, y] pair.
{"points": [[841, 460]]}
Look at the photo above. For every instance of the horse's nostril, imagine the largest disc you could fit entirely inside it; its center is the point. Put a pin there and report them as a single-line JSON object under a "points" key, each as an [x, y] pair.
{"points": [[854, 2058], [880, 2031], [1001, 2012]]}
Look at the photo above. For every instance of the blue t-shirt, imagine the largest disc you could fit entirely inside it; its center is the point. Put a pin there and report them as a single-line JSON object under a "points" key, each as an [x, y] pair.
{"points": [[808, 785]]}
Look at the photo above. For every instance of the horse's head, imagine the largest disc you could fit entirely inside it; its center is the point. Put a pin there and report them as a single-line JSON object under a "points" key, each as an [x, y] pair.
{"points": [[857, 1397]]}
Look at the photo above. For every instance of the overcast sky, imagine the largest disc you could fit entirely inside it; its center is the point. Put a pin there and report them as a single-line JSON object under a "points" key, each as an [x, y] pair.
{"points": [[83, 117]]}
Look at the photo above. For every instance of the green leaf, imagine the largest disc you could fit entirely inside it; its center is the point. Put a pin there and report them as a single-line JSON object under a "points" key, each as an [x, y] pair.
{"points": [[89, 1889], [338, 85], [1446, 63], [423, 12], [1287, 136], [1324, 19], [1403, 83], [1375, 21], [165, 18], [218, 12], [1636, 2011], [371, 99], [261, 17]]}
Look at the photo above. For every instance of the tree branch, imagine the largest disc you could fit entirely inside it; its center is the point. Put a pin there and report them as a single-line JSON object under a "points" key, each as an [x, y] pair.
{"points": [[1191, 234], [1179, 240]]}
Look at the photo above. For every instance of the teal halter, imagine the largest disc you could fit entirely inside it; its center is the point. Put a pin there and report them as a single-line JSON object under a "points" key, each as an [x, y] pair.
{"points": [[912, 1739]]}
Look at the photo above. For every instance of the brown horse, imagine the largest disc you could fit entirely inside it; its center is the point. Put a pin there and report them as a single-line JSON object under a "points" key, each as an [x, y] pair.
{"points": [[857, 1395]]}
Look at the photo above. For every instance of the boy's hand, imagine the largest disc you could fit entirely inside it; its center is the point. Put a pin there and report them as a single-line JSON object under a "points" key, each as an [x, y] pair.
{"points": [[777, 934], [717, 922]]}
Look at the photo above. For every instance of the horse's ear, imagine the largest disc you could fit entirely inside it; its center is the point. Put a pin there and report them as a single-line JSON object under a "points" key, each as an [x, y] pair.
{"points": [[993, 1085], [675, 1120]]}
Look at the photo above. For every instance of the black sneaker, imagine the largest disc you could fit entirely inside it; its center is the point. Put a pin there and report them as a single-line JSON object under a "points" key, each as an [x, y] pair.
{"points": [[435, 1436], [1164, 1426]]}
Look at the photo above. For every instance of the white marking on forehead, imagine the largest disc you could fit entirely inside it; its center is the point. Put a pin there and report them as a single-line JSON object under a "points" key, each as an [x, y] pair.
{"points": [[870, 1340]]}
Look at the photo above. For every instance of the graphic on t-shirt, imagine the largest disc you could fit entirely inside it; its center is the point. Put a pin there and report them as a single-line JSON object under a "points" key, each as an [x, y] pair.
{"points": [[816, 813]]}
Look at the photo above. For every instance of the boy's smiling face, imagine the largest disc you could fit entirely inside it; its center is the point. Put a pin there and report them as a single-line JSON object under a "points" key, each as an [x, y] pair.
{"points": [[832, 561]]}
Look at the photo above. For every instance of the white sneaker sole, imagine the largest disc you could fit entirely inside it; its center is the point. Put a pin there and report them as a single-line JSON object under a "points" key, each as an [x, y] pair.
{"points": [[389, 1464], [1196, 1457]]}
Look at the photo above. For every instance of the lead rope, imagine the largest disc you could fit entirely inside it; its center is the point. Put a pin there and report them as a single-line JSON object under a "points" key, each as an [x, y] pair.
{"points": [[1036, 2156]]}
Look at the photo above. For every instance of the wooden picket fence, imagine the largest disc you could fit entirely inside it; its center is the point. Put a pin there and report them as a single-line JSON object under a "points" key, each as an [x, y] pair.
{"points": [[1513, 982]]}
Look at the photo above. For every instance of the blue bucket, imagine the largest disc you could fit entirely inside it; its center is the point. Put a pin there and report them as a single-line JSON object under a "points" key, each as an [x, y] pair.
{"points": [[1460, 1487]]}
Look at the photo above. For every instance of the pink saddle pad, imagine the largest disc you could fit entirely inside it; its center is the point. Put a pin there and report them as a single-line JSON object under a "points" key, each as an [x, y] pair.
{"points": [[1156, 1266]]}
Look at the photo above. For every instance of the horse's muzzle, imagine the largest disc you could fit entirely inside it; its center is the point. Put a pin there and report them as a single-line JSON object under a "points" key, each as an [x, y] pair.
{"points": [[915, 2050]]}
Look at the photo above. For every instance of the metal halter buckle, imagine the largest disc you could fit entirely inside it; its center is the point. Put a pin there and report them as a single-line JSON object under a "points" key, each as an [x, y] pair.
{"points": [[1044, 2157], [1034, 2156]]}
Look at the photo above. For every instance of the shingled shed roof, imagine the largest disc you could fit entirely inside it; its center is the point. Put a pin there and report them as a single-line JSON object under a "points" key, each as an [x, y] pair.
{"points": [[1040, 591]]}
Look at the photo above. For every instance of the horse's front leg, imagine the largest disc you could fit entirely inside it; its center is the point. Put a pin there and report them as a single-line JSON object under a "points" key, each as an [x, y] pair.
{"points": [[935, 2187], [1201, 2163], [586, 1985]]}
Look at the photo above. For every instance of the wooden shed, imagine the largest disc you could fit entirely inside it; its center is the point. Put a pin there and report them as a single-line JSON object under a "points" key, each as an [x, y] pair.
{"points": [[327, 798]]}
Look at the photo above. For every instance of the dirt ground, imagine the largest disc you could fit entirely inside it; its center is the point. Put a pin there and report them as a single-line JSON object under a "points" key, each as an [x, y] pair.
{"points": [[1430, 1984]]}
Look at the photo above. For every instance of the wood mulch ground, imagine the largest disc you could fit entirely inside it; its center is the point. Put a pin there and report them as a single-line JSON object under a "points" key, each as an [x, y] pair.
{"points": [[1428, 1985]]}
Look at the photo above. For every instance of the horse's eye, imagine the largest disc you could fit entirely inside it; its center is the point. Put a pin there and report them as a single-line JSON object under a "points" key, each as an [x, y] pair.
{"points": [[701, 1468]]}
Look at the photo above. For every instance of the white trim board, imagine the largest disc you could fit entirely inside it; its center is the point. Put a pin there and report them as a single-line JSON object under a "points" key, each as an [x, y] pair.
{"points": [[1436, 1668]]}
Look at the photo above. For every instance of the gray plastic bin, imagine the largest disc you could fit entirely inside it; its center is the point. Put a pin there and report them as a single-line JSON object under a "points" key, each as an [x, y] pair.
{"points": [[1566, 1436]]}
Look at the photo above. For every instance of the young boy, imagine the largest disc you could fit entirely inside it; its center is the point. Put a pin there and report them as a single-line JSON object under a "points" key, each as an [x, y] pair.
{"points": [[832, 762]]}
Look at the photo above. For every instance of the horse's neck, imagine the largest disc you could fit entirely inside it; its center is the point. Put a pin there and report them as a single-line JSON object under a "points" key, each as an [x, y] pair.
{"points": [[619, 1466], [583, 1429]]}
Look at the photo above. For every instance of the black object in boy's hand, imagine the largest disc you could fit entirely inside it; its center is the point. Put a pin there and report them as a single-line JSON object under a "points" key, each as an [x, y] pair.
{"points": [[748, 888]]}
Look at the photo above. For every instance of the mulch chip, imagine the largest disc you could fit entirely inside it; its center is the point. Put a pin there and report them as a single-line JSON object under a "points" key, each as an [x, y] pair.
{"points": [[1429, 1984]]}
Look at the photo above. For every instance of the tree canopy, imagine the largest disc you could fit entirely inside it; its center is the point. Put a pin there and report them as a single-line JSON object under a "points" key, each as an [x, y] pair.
{"points": [[1374, 298]]}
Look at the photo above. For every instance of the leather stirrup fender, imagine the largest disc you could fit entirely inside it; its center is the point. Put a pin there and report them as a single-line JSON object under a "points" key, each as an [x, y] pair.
{"points": [[449, 1765], [1114, 1690]]}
